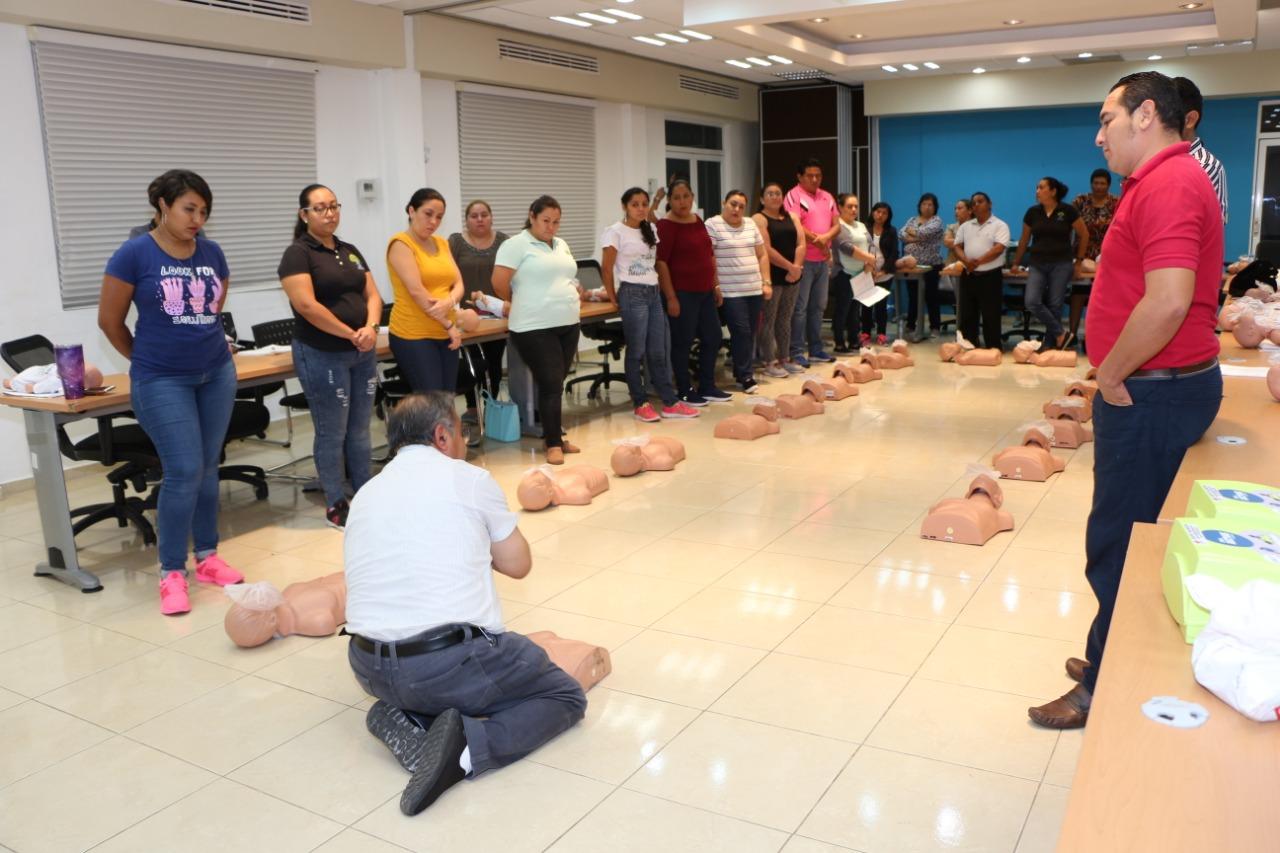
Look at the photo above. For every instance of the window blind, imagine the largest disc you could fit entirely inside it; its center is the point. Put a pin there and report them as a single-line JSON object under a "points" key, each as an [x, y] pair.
{"points": [[515, 149], [115, 119]]}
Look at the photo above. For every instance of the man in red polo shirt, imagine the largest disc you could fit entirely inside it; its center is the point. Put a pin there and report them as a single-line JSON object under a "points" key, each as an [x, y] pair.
{"points": [[1150, 327]]}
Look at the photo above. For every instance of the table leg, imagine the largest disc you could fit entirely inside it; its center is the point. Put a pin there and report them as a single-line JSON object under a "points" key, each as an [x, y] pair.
{"points": [[900, 303], [55, 512], [920, 308]]}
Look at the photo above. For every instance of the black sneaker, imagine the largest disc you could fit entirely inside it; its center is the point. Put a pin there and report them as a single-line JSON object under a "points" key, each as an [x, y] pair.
{"points": [[336, 515], [438, 767], [715, 395], [692, 398], [748, 385], [405, 738]]}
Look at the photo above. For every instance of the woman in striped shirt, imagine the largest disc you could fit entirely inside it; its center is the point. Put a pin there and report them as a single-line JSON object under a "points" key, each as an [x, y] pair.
{"points": [[742, 270]]}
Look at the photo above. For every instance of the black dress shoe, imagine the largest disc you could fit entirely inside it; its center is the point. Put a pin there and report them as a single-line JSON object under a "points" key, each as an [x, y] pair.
{"points": [[438, 767], [1069, 711], [406, 739]]}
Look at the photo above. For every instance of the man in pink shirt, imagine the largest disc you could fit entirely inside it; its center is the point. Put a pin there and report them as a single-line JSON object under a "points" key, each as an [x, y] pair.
{"points": [[820, 218]]}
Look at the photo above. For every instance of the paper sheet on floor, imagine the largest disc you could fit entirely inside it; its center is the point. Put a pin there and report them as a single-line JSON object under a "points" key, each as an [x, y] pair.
{"points": [[1239, 370]]}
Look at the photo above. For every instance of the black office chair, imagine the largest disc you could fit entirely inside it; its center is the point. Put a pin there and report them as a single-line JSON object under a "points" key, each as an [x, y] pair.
{"points": [[608, 333], [280, 333], [125, 446], [392, 386]]}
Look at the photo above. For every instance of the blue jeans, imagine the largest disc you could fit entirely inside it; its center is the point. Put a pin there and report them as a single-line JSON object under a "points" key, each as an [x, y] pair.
{"points": [[186, 417], [339, 388], [698, 319], [742, 316], [427, 364], [513, 699], [811, 301], [644, 326], [1056, 278], [1136, 453]]}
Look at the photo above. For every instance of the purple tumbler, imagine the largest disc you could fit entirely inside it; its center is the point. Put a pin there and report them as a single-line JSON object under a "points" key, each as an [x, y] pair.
{"points": [[70, 360]]}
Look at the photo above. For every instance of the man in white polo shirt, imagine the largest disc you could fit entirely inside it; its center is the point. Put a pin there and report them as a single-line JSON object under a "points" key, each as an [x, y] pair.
{"points": [[458, 693], [980, 245]]}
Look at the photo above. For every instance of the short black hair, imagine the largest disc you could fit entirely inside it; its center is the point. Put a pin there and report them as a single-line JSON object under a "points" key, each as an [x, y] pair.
{"points": [[808, 163], [1189, 94], [416, 416], [541, 203], [1100, 173], [421, 197], [304, 201], [731, 193], [1157, 88], [979, 193], [927, 197], [175, 183]]}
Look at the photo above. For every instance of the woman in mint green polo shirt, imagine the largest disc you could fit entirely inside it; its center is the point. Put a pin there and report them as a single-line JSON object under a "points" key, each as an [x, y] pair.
{"points": [[537, 273]]}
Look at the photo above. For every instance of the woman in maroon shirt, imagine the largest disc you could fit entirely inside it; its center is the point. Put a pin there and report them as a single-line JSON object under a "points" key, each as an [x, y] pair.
{"points": [[687, 275]]}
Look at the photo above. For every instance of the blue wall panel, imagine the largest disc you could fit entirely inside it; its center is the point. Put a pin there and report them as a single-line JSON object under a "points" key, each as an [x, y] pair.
{"points": [[1004, 153]]}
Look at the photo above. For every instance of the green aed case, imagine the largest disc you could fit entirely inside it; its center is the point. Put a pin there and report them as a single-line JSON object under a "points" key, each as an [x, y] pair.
{"points": [[1231, 550], [1250, 503]]}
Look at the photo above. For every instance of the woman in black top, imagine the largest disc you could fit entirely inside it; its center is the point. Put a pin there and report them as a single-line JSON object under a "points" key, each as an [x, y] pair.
{"points": [[1049, 225], [785, 244], [474, 250], [336, 309], [884, 245]]}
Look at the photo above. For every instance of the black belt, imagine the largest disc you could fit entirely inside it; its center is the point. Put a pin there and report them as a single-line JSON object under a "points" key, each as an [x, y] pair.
{"points": [[1171, 372], [430, 641]]}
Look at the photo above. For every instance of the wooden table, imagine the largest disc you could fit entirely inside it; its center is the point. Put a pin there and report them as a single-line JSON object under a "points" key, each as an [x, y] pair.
{"points": [[1234, 354], [43, 415], [1141, 786]]}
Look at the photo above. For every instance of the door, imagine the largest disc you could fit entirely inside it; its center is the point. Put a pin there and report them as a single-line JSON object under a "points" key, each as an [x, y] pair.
{"points": [[1266, 221], [704, 175]]}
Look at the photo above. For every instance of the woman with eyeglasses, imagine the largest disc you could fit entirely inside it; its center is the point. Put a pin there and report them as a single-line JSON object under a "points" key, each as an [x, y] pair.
{"points": [[336, 309]]}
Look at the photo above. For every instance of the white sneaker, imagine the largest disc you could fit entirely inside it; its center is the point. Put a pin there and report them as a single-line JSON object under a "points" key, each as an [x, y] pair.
{"points": [[775, 371]]}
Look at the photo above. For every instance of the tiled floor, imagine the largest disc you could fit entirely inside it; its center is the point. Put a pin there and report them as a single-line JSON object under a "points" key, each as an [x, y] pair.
{"points": [[794, 669]]}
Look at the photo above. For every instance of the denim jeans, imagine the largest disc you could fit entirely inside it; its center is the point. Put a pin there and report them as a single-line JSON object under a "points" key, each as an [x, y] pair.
{"points": [[427, 364], [648, 339], [339, 388], [1136, 453], [811, 301], [742, 316], [513, 699], [1054, 277], [548, 353], [698, 319], [186, 417]]}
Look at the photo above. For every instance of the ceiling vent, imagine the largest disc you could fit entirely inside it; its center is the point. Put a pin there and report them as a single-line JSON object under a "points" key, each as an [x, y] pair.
{"points": [[1097, 57], [709, 87], [521, 52], [277, 10], [802, 74]]}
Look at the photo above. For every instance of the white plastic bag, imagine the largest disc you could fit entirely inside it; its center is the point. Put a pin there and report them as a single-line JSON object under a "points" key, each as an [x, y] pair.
{"points": [[1237, 656], [261, 596]]}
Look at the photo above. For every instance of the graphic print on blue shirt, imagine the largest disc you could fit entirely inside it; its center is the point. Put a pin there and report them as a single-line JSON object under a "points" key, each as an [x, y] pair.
{"points": [[178, 302]]}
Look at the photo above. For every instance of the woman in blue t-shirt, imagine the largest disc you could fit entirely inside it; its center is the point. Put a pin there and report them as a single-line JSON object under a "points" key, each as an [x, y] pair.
{"points": [[182, 377]]}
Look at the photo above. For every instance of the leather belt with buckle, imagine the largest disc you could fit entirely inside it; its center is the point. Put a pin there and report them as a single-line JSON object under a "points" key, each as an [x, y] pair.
{"points": [[432, 641], [1172, 372]]}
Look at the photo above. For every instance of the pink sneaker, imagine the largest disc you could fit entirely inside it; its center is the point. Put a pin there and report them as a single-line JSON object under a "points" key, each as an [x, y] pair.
{"points": [[882, 341], [646, 413], [173, 594], [680, 410], [214, 569]]}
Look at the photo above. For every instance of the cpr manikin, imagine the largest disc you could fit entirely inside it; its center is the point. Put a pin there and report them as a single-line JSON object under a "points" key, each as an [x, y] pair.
{"points": [[1079, 409], [587, 664], [466, 319], [859, 373], [1086, 388], [894, 360], [831, 390], [807, 402], [1070, 434], [747, 427], [962, 352], [259, 611], [575, 485], [646, 453], [971, 520], [1031, 460], [43, 379], [1028, 352]]}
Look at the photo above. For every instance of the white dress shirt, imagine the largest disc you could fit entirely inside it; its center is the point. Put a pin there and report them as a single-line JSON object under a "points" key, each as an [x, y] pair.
{"points": [[977, 239]]}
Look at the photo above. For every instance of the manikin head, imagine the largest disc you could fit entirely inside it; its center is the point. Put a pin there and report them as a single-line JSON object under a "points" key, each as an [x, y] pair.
{"points": [[627, 460], [536, 491]]}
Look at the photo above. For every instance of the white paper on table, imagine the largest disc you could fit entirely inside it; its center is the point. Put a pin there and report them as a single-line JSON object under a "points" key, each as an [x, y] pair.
{"points": [[14, 392], [1237, 370], [865, 289], [270, 349], [1268, 346]]}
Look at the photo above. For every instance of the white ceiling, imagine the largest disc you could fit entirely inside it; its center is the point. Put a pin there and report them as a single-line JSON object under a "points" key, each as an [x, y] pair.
{"points": [[957, 35]]}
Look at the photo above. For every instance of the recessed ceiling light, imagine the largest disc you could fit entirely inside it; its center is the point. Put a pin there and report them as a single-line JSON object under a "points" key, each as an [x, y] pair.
{"points": [[932, 66], [1193, 47], [738, 63], [1246, 42], [670, 37], [1085, 55], [1023, 60], [595, 16], [1190, 6], [781, 60], [818, 20], [573, 21], [891, 69], [1013, 22], [1221, 44], [697, 35], [910, 67], [653, 41], [1155, 57], [979, 71], [857, 35], [624, 1], [755, 60], [619, 13]]}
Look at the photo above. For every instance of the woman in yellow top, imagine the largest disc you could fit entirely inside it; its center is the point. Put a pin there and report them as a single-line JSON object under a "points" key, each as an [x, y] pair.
{"points": [[428, 287]]}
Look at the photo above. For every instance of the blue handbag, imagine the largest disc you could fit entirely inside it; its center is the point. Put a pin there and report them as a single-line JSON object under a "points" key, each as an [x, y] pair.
{"points": [[501, 418]]}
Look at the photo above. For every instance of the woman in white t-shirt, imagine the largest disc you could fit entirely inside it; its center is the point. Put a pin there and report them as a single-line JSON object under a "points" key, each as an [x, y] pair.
{"points": [[629, 251], [742, 270]]}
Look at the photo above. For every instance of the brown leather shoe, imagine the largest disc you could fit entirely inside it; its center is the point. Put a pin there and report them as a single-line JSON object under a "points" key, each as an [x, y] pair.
{"points": [[1070, 711], [569, 447], [555, 456], [1075, 669]]}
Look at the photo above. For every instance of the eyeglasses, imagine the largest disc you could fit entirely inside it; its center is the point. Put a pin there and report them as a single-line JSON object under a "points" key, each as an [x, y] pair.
{"points": [[322, 209]]}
